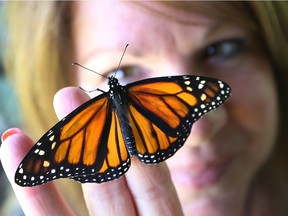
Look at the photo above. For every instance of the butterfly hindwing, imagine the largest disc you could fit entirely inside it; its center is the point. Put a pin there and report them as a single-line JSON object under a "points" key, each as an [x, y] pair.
{"points": [[163, 110], [152, 144], [117, 159]]}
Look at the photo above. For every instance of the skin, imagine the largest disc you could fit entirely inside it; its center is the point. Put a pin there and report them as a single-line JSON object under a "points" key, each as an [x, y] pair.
{"points": [[213, 170]]}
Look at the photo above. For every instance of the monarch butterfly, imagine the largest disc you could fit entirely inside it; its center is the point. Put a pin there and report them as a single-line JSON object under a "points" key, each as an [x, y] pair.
{"points": [[150, 118]]}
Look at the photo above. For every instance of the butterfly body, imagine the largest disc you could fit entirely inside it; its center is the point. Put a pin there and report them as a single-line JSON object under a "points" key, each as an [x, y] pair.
{"points": [[150, 119], [118, 97]]}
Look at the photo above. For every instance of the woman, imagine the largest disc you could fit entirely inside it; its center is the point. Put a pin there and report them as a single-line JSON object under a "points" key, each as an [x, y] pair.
{"points": [[233, 163]]}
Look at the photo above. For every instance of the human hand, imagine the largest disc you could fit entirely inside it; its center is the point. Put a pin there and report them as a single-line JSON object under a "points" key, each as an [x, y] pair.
{"points": [[144, 190]]}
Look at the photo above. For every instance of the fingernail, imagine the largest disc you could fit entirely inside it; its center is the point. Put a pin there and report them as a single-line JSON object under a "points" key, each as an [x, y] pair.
{"points": [[10, 132]]}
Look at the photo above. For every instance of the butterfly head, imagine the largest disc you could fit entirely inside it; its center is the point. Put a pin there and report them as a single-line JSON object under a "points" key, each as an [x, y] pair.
{"points": [[113, 82]]}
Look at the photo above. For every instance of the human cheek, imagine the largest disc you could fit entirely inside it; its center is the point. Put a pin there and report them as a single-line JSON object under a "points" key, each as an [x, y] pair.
{"points": [[254, 102], [253, 107]]}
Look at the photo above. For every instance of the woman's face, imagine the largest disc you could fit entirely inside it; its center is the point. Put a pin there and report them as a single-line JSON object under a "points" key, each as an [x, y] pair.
{"points": [[214, 168]]}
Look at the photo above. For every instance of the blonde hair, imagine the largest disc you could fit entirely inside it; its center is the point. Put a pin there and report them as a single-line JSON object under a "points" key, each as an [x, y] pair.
{"points": [[37, 58], [40, 51]]}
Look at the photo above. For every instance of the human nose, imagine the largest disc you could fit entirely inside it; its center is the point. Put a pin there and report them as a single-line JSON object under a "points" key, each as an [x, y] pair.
{"points": [[207, 127]]}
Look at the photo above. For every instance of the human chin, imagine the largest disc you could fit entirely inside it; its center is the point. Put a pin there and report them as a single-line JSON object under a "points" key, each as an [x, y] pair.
{"points": [[207, 177], [218, 193], [197, 169]]}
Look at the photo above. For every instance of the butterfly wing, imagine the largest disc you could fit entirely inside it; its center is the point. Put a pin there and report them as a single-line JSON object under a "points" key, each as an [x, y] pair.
{"points": [[86, 146], [162, 111]]}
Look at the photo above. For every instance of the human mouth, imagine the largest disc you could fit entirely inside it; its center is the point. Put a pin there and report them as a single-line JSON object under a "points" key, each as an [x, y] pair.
{"points": [[200, 175]]}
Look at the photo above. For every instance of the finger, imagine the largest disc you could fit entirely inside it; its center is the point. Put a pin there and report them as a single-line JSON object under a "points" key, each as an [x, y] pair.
{"points": [[68, 99], [110, 198], [38, 200], [152, 189]]}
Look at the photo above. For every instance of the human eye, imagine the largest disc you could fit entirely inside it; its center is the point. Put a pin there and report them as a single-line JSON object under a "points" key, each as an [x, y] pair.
{"points": [[223, 51], [129, 73]]}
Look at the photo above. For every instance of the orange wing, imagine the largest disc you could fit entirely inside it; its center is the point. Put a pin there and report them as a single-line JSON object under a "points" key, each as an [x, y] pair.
{"points": [[87, 146], [162, 111]]}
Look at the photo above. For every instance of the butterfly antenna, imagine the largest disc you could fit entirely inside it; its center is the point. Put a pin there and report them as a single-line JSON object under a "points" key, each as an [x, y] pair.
{"points": [[75, 63], [121, 59]]}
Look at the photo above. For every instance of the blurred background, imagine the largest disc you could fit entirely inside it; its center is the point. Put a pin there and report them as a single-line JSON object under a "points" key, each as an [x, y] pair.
{"points": [[9, 117]]}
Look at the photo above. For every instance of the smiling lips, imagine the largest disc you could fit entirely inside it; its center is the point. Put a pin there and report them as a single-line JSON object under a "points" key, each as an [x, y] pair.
{"points": [[200, 174]]}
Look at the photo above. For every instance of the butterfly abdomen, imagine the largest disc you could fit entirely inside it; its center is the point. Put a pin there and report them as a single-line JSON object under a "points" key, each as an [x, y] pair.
{"points": [[120, 104]]}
